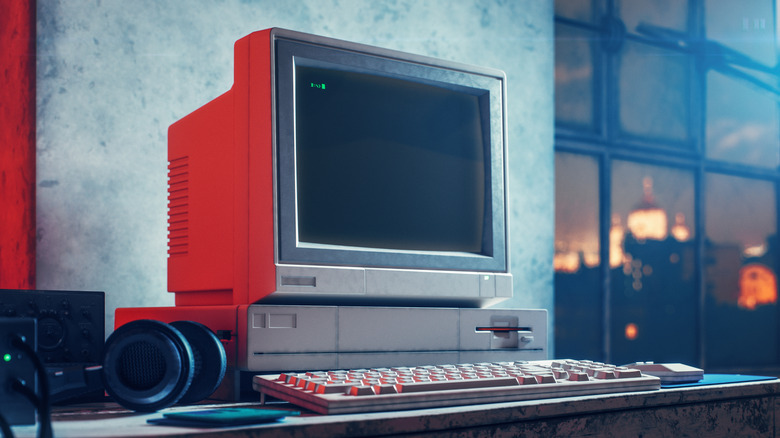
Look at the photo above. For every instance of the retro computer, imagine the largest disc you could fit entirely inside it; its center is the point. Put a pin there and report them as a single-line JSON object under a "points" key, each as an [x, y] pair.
{"points": [[345, 205]]}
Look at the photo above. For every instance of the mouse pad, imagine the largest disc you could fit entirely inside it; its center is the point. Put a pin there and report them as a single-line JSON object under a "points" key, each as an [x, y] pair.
{"points": [[719, 379]]}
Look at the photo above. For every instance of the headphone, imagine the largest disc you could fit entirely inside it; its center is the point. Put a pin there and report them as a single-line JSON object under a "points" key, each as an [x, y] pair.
{"points": [[150, 365]]}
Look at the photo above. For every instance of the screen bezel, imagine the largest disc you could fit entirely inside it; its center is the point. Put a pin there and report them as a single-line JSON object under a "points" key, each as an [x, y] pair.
{"points": [[364, 59]]}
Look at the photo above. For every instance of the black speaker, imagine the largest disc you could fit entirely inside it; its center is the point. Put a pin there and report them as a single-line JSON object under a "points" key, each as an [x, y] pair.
{"points": [[150, 365], [71, 324]]}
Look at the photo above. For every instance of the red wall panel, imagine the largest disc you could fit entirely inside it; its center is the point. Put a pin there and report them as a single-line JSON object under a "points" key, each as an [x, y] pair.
{"points": [[17, 144]]}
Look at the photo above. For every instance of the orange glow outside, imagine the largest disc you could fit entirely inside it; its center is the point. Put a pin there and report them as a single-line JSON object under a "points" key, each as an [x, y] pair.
{"points": [[648, 221], [568, 262], [571, 262], [648, 224], [757, 286], [616, 236], [680, 230], [631, 331]]}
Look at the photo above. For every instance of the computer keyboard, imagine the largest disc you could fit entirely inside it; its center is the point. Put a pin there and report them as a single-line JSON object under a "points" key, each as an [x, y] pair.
{"points": [[399, 388]]}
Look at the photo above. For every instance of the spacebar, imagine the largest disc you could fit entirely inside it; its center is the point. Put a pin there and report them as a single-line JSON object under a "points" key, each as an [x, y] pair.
{"points": [[447, 385]]}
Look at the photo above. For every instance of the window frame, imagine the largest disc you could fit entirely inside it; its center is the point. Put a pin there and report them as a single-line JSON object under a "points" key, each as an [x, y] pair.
{"points": [[606, 143]]}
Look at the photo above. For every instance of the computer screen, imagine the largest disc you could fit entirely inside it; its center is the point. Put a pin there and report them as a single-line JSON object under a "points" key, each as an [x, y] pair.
{"points": [[385, 174], [387, 163]]}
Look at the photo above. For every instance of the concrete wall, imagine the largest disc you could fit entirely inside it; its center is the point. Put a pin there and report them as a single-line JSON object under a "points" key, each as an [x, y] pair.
{"points": [[113, 74]]}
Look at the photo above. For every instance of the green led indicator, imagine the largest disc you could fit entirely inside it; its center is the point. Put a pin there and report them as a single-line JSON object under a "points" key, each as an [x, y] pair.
{"points": [[7, 357], [319, 86]]}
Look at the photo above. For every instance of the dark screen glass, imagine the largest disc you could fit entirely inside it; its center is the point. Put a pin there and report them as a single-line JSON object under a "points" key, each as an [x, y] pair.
{"points": [[387, 163]]}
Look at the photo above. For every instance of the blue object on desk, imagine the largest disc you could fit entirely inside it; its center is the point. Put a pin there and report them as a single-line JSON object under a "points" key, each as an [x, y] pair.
{"points": [[221, 417], [719, 379]]}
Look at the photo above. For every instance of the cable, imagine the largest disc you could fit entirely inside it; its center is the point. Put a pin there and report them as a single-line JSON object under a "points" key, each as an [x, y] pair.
{"points": [[19, 386], [43, 405], [6, 428]]}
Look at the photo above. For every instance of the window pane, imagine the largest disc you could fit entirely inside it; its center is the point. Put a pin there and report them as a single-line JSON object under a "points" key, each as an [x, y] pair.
{"points": [[747, 26], [741, 279], [573, 76], [578, 302], [742, 122], [580, 10], [671, 14], [654, 92], [742, 118], [652, 259]]}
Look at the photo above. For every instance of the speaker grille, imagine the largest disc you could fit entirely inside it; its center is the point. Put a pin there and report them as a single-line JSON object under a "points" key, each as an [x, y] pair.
{"points": [[178, 206], [141, 366]]}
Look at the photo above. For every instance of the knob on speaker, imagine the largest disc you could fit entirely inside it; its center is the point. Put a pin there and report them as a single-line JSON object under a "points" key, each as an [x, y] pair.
{"points": [[150, 365]]}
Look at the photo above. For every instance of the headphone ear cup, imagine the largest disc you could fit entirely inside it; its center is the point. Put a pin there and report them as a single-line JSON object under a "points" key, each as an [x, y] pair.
{"points": [[210, 360], [148, 365]]}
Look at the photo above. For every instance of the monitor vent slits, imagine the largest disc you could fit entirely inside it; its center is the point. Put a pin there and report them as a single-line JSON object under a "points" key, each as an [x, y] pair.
{"points": [[178, 207]]}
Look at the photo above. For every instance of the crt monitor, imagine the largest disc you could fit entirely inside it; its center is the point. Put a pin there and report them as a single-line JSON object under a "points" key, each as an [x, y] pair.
{"points": [[340, 173]]}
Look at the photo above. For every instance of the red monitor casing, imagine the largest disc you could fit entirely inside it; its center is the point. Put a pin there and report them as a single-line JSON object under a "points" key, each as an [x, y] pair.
{"points": [[218, 186]]}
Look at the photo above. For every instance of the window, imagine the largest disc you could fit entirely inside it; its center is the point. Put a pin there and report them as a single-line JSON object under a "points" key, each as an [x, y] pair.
{"points": [[667, 149]]}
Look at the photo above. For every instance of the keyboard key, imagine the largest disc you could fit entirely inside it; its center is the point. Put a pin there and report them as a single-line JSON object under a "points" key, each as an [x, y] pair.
{"points": [[604, 373], [333, 388], [527, 380], [288, 377], [312, 383], [361, 390], [622, 373], [385, 389], [545, 378]]}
